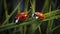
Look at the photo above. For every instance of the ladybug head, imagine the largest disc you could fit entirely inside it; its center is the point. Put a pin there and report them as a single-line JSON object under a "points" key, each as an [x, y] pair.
{"points": [[38, 15], [35, 16], [16, 20]]}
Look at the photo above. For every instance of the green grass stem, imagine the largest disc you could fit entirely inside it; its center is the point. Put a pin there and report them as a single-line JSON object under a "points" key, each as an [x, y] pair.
{"points": [[11, 14]]}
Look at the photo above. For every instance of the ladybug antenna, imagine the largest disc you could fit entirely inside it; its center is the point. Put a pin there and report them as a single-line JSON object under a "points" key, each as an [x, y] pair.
{"points": [[30, 10]]}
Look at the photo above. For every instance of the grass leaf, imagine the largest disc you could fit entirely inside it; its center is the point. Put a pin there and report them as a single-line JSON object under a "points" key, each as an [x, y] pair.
{"points": [[11, 14], [46, 6]]}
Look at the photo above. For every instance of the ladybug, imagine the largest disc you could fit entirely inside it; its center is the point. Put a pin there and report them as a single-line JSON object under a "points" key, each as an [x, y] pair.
{"points": [[38, 15], [20, 17]]}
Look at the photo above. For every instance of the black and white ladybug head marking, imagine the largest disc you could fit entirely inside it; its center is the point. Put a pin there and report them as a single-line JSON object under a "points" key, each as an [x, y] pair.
{"points": [[16, 20], [35, 16]]}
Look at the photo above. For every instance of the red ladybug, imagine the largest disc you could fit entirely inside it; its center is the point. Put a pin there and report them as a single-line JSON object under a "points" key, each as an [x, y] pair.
{"points": [[21, 17], [38, 15]]}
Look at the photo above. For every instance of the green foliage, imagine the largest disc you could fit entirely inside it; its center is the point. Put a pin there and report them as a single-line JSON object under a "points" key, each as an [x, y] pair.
{"points": [[34, 23]]}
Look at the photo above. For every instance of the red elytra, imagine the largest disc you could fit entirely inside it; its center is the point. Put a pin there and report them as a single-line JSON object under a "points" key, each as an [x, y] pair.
{"points": [[40, 15], [22, 16]]}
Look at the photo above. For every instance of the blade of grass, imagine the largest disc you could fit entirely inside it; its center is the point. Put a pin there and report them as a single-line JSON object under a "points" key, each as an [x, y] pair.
{"points": [[33, 28], [33, 11], [33, 6], [6, 10], [5, 27], [49, 27], [52, 13], [39, 28], [11, 14], [50, 23], [54, 17], [54, 4], [51, 18], [9, 26], [15, 29], [46, 6], [30, 2], [5, 7], [26, 6], [26, 11], [19, 10], [21, 29], [55, 28], [19, 7], [25, 29]]}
